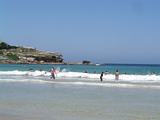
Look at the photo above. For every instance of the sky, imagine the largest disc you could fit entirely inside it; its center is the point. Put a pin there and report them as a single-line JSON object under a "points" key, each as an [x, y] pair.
{"points": [[102, 31]]}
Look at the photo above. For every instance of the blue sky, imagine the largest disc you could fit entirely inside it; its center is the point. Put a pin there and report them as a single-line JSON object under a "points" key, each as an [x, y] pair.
{"points": [[105, 31]]}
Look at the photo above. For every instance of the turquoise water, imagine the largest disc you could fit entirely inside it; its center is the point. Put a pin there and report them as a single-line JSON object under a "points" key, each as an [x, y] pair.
{"points": [[28, 93], [128, 69]]}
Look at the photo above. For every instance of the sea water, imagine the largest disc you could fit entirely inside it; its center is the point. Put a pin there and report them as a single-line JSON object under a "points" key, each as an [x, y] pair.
{"points": [[27, 92]]}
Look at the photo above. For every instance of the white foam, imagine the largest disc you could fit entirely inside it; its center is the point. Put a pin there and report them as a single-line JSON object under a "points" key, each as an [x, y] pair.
{"points": [[82, 79], [123, 77], [116, 85], [87, 76], [73, 83], [22, 73]]}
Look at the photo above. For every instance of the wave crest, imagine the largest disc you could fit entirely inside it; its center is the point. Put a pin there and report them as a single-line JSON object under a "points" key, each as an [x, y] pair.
{"points": [[79, 75]]}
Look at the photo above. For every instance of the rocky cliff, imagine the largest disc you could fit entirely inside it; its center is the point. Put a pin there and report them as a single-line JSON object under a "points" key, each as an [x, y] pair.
{"points": [[27, 55]]}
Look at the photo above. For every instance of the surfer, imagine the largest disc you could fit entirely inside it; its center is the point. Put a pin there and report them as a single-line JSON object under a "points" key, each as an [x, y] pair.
{"points": [[53, 73], [117, 75], [101, 77]]}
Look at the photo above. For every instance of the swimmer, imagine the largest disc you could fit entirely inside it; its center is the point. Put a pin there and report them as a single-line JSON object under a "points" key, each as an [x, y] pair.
{"points": [[117, 75], [53, 73], [101, 77]]}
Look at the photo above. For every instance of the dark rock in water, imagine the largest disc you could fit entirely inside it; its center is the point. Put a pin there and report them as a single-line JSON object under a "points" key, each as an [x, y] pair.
{"points": [[86, 62]]}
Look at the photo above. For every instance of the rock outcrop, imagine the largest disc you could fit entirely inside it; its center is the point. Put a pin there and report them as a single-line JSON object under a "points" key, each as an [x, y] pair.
{"points": [[27, 55]]}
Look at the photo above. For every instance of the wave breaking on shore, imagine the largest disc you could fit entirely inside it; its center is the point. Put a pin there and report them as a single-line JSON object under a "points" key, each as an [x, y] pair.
{"points": [[83, 76]]}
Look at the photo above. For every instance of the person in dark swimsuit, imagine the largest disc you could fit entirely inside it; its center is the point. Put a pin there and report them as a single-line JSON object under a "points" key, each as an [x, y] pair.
{"points": [[101, 77]]}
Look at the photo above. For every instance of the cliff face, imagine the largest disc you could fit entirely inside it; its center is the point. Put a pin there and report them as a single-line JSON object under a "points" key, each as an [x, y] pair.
{"points": [[14, 54]]}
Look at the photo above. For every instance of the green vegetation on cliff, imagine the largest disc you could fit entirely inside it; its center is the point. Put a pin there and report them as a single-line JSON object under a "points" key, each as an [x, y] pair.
{"points": [[12, 56], [4, 45]]}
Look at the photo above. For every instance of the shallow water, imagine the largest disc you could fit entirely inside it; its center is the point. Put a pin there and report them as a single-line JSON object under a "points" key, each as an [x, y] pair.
{"points": [[75, 95], [38, 101]]}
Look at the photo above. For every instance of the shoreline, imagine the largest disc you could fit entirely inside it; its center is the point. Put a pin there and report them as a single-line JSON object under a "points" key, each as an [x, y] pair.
{"points": [[78, 63], [46, 64]]}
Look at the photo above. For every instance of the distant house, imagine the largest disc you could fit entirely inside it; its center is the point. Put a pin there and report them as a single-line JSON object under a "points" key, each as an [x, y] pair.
{"points": [[3, 58], [30, 59]]}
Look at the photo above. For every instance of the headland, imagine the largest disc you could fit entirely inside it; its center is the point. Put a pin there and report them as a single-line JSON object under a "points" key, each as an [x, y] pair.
{"points": [[10, 54]]}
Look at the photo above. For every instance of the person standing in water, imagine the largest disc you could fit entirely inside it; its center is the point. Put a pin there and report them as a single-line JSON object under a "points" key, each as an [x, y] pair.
{"points": [[101, 77], [53, 73], [117, 75]]}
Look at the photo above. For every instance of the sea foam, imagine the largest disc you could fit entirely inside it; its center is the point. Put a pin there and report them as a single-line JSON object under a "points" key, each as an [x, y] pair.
{"points": [[82, 79], [80, 75]]}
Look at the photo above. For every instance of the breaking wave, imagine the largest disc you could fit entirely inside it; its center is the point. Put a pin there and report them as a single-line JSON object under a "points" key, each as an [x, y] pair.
{"points": [[80, 75], [82, 79]]}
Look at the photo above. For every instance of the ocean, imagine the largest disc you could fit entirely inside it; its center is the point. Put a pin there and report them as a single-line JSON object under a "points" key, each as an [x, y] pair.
{"points": [[28, 93]]}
